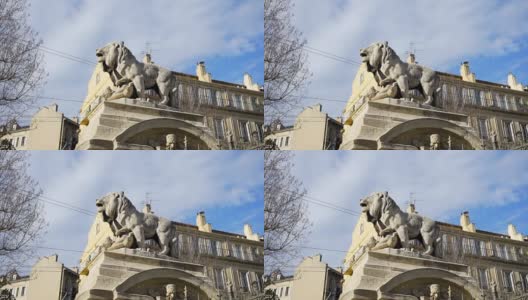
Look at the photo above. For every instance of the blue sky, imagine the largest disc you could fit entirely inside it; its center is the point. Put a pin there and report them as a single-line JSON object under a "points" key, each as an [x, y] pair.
{"points": [[227, 185], [226, 34], [492, 186], [491, 34]]}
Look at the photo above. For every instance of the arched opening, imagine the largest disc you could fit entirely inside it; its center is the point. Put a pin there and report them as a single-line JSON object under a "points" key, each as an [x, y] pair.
{"points": [[425, 281], [159, 133], [154, 283], [427, 133]]}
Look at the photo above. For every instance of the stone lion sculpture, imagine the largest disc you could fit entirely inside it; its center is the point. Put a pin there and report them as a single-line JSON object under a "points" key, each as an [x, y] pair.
{"points": [[133, 227], [125, 69], [388, 69], [397, 228]]}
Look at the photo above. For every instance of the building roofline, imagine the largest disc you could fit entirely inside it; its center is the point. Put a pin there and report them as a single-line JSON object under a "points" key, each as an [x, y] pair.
{"points": [[212, 231], [495, 84], [232, 84], [499, 235]]}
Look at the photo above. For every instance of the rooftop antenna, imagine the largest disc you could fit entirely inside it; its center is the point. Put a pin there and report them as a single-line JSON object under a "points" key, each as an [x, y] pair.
{"points": [[148, 49], [412, 51], [411, 203], [147, 203]]}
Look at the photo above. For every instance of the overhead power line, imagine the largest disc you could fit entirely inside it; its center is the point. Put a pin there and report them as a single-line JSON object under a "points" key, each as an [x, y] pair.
{"points": [[326, 204], [324, 53], [57, 52], [62, 204]]}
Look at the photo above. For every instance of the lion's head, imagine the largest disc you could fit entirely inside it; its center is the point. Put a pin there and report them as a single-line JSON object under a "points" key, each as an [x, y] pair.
{"points": [[376, 204], [376, 55], [112, 54], [111, 205]]}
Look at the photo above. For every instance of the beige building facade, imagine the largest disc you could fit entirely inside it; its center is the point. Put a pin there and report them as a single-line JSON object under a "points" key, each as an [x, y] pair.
{"points": [[49, 130], [467, 263], [199, 112], [313, 129], [49, 279], [468, 113], [312, 279], [204, 263]]}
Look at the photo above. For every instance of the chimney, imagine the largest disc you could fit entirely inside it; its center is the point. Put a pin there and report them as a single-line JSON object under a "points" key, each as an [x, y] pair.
{"points": [[248, 83], [201, 72], [514, 235], [465, 222], [248, 232], [147, 209], [147, 59], [512, 82], [465, 72], [411, 59], [411, 209], [201, 222]]}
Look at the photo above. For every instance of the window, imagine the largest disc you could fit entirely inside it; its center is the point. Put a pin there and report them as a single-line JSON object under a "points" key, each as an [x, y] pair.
{"points": [[479, 97], [16, 142], [237, 101], [244, 280], [204, 95], [23, 142], [204, 246], [16, 292], [287, 291], [483, 128], [287, 141], [508, 130], [23, 291], [218, 99], [524, 278], [476, 247], [280, 145], [280, 295], [254, 253], [244, 130], [483, 250], [237, 251], [483, 278], [259, 131], [507, 280], [219, 128], [254, 104], [524, 131], [219, 278], [500, 101]]}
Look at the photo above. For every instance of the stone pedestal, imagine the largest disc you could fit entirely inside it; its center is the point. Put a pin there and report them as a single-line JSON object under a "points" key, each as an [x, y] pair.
{"points": [[139, 275], [140, 125], [401, 274], [404, 125]]}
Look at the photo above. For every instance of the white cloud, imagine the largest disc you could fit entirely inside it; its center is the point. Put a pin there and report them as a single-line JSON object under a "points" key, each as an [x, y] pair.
{"points": [[444, 183], [445, 32], [181, 32], [180, 184]]}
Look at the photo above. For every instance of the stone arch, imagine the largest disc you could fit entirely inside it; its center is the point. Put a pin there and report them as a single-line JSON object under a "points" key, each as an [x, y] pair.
{"points": [[431, 123], [165, 274], [167, 123], [431, 273]]}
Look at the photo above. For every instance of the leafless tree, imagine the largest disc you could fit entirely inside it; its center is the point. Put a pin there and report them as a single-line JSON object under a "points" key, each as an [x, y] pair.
{"points": [[21, 63], [285, 62], [21, 212], [285, 213]]}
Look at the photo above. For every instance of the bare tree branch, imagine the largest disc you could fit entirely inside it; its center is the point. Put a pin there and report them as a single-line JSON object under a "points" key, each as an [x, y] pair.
{"points": [[285, 213], [21, 63], [285, 62], [21, 218]]}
